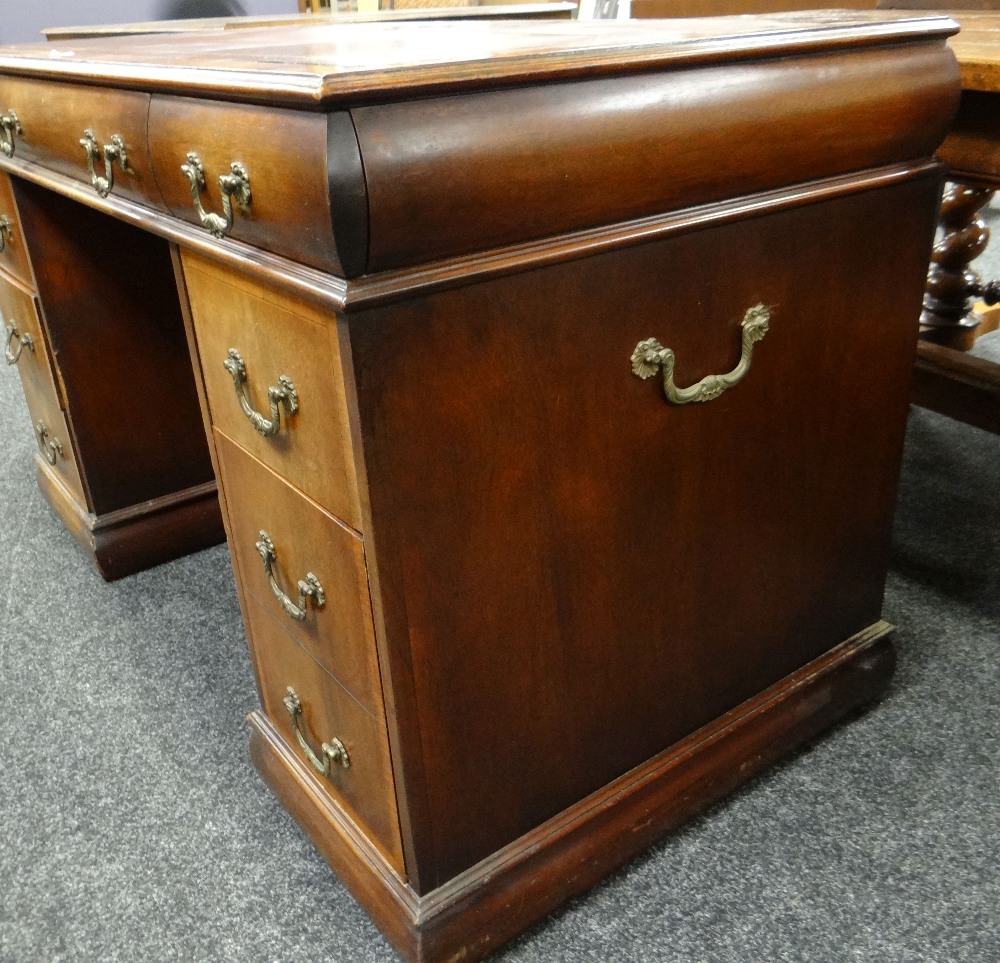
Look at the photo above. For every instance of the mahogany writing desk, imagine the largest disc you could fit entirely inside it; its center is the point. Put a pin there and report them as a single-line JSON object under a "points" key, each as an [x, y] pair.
{"points": [[556, 378]]}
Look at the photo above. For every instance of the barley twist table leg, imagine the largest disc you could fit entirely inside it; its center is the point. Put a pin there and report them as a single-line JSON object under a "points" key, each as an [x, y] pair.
{"points": [[952, 285]]}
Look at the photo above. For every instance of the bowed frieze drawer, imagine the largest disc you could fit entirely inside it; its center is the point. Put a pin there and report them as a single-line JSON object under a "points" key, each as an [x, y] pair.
{"points": [[556, 378]]}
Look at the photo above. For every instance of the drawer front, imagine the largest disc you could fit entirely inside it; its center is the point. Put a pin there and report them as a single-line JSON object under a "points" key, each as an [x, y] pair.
{"points": [[365, 787], [306, 541], [31, 358], [276, 337], [283, 153], [54, 118], [13, 253]]}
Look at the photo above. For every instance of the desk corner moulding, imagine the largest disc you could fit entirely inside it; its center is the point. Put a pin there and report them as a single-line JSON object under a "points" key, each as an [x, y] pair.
{"points": [[535, 363]]}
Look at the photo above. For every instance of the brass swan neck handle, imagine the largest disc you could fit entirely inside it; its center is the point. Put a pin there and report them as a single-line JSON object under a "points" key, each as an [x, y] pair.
{"points": [[650, 356]]}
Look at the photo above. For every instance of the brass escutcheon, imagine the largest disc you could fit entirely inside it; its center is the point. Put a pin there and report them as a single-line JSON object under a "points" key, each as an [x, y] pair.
{"points": [[650, 355], [21, 340], [50, 448], [334, 751], [235, 184], [6, 233], [9, 127], [115, 151], [309, 587], [283, 393]]}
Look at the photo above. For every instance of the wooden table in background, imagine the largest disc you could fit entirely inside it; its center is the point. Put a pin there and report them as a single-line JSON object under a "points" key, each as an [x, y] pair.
{"points": [[947, 379]]}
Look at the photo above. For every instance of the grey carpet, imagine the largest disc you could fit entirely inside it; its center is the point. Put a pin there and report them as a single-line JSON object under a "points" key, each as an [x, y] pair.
{"points": [[132, 827]]}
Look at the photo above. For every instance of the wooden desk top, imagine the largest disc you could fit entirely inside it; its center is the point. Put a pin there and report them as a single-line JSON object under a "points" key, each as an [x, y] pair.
{"points": [[559, 10], [318, 65]]}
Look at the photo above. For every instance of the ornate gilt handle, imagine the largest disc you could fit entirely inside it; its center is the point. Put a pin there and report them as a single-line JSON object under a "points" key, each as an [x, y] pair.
{"points": [[309, 587], [21, 340], [6, 233], [115, 151], [649, 355], [235, 184], [49, 447], [9, 127], [283, 393], [334, 751]]}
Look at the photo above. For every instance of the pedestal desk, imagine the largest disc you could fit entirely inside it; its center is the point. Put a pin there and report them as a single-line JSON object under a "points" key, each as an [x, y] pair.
{"points": [[534, 564]]}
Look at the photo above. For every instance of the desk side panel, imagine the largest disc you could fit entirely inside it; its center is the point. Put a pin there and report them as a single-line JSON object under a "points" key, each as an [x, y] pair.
{"points": [[575, 574]]}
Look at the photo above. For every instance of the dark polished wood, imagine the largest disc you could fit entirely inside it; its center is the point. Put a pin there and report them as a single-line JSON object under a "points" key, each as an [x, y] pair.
{"points": [[502, 543], [952, 286], [958, 385], [419, 200], [480, 910], [964, 388], [532, 615], [134, 481]]}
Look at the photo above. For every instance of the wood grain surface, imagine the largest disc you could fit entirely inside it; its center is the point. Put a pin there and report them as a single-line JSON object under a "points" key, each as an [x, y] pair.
{"points": [[339, 634], [14, 256], [113, 320], [34, 365], [574, 574], [54, 116], [315, 66], [277, 334]]}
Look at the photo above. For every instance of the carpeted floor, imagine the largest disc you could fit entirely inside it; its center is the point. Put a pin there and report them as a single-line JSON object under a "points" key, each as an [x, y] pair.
{"points": [[132, 827]]}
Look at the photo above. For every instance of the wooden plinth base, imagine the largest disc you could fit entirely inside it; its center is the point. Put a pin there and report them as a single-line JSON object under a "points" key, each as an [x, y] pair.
{"points": [[488, 905], [140, 536]]}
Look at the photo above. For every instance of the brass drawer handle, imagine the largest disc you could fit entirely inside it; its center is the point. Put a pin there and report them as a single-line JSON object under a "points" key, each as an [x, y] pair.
{"points": [[234, 184], [115, 151], [334, 751], [6, 233], [309, 587], [9, 127], [649, 355], [283, 393], [21, 340], [49, 447]]}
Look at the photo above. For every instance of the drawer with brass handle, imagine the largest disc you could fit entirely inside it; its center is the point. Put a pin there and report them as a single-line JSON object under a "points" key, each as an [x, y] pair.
{"points": [[273, 377], [341, 744], [25, 349], [242, 172], [94, 135], [13, 253], [307, 569]]}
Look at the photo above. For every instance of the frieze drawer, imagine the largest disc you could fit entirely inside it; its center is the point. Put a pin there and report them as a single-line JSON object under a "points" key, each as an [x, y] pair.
{"points": [[240, 172], [91, 134]]}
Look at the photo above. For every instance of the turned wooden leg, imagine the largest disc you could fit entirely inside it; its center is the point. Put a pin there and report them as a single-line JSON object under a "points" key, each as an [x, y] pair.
{"points": [[952, 285]]}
